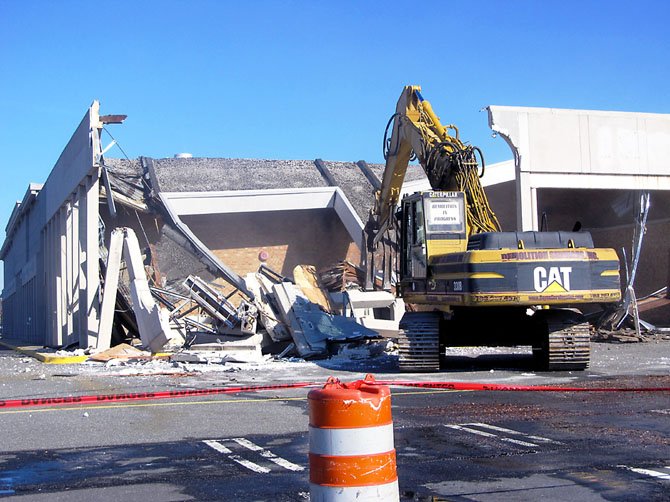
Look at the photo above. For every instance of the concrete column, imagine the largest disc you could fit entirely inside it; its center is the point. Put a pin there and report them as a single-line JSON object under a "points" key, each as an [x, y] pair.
{"points": [[73, 258], [81, 260], [89, 300], [65, 251], [58, 250], [46, 284], [526, 198], [526, 193], [81, 264], [52, 280]]}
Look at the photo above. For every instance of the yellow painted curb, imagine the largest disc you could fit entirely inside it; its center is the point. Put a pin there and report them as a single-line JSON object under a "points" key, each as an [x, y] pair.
{"points": [[51, 359], [46, 358]]}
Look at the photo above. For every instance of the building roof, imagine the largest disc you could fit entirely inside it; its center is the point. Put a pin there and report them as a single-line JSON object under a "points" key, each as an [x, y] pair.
{"points": [[217, 174], [221, 174]]}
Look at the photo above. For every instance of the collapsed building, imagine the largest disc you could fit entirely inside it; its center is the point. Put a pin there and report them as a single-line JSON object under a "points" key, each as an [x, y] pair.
{"points": [[217, 235], [202, 224]]}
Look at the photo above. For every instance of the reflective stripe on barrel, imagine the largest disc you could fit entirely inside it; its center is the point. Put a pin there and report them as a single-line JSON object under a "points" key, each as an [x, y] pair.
{"points": [[362, 441], [356, 470], [354, 494], [351, 442]]}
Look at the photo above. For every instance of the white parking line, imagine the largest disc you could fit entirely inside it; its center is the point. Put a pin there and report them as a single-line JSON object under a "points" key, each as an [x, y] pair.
{"points": [[662, 412], [236, 458], [513, 432], [649, 472], [489, 435], [269, 455]]}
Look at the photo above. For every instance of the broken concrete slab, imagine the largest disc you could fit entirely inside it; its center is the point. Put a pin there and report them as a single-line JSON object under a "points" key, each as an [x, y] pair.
{"points": [[152, 321], [358, 299], [380, 311], [206, 348], [261, 287], [311, 327], [287, 297], [110, 286]]}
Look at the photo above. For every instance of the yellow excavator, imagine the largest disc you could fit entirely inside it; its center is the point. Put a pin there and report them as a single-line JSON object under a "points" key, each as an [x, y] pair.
{"points": [[465, 281]]}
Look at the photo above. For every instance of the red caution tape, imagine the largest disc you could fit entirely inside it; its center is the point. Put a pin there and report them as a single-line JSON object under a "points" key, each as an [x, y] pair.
{"points": [[515, 388], [175, 394], [141, 396]]}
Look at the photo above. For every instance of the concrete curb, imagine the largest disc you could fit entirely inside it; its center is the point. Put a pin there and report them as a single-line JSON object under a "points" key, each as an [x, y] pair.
{"points": [[45, 357]]}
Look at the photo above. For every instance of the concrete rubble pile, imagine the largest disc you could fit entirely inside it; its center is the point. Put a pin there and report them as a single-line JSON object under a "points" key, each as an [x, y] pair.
{"points": [[199, 322]]}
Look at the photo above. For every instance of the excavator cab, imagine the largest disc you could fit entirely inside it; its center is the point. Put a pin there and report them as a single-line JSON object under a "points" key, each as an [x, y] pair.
{"points": [[433, 224]]}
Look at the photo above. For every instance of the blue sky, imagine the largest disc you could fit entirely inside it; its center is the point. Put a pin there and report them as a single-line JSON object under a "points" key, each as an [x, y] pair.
{"points": [[307, 79]]}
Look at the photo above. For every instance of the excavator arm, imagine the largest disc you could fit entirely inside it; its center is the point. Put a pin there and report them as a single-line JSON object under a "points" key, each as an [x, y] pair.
{"points": [[448, 163]]}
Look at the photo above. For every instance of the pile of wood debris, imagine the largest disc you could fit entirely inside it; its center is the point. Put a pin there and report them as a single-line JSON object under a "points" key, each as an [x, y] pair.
{"points": [[628, 335]]}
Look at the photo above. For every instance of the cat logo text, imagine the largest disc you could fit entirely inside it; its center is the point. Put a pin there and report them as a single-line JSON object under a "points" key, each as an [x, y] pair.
{"points": [[551, 280]]}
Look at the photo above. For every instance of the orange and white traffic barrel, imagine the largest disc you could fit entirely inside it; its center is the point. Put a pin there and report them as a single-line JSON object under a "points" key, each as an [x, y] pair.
{"points": [[351, 452]]}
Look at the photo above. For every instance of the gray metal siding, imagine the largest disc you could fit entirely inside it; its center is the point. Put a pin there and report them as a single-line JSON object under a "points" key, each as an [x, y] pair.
{"points": [[19, 315]]}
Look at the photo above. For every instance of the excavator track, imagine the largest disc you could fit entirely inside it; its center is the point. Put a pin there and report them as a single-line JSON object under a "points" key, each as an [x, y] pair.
{"points": [[565, 341], [419, 342]]}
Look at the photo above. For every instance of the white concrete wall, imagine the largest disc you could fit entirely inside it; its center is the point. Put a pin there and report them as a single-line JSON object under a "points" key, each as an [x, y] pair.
{"points": [[51, 252], [71, 247], [75, 162], [582, 149]]}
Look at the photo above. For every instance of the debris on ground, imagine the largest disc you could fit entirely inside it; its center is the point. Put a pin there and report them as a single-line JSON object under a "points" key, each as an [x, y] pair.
{"points": [[260, 284], [311, 327], [205, 321], [380, 311], [628, 335], [208, 348], [121, 351], [152, 321], [649, 321]]}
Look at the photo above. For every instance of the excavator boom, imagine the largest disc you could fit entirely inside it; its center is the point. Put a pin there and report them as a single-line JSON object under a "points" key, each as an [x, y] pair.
{"points": [[449, 164]]}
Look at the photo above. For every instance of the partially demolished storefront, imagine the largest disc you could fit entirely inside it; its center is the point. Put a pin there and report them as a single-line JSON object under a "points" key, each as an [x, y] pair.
{"points": [[227, 254], [235, 256], [232, 247]]}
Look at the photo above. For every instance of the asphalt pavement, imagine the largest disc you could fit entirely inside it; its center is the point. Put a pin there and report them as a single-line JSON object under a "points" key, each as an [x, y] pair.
{"points": [[450, 444]]}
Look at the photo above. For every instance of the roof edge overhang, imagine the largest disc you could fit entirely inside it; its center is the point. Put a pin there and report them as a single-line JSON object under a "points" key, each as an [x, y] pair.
{"points": [[180, 204], [572, 111], [245, 201], [277, 199]]}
